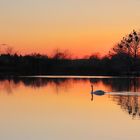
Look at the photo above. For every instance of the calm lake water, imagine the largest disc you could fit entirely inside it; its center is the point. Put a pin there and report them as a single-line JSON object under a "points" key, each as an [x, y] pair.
{"points": [[63, 108]]}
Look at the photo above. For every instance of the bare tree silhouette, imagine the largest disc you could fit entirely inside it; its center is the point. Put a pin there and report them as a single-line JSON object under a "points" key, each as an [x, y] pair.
{"points": [[129, 45]]}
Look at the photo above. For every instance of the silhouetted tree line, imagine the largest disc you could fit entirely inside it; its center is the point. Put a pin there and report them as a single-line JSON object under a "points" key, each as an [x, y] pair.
{"points": [[123, 59]]}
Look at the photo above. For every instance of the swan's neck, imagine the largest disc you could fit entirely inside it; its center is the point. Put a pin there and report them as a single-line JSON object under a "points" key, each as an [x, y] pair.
{"points": [[92, 88]]}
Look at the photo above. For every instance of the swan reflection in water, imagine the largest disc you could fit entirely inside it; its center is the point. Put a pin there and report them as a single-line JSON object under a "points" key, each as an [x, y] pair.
{"points": [[97, 92]]}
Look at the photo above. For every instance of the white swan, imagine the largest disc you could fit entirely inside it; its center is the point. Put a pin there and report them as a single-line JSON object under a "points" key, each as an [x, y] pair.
{"points": [[97, 92]]}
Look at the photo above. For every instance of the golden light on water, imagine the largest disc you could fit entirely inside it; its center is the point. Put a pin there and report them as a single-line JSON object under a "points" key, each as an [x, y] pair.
{"points": [[56, 109]]}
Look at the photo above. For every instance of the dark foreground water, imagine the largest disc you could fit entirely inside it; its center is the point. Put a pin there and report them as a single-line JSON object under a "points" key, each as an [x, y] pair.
{"points": [[63, 108]]}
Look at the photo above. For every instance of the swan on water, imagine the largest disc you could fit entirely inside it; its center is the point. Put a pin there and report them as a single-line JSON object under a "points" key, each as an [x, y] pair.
{"points": [[97, 92]]}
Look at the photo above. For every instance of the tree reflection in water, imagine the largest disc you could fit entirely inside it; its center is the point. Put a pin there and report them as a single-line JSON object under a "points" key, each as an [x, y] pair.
{"points": [[130, 104], [59, 84], [120, 84]]}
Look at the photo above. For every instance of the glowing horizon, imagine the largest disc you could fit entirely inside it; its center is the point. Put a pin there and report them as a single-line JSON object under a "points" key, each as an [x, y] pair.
{"points": [[82, 27]]}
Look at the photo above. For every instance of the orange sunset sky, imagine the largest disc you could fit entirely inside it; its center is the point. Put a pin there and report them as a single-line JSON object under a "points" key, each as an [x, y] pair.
{"points": [[80, 26]]}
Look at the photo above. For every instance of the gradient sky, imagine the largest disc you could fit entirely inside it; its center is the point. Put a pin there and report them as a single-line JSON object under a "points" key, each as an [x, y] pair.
{"points": [[80, 26]]}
